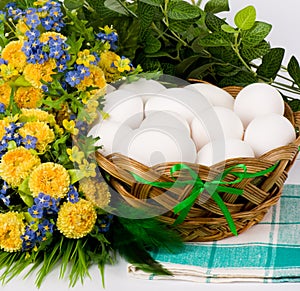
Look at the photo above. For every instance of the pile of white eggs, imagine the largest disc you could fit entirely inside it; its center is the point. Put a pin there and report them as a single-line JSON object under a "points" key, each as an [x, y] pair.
{"points": [[199, 123]]}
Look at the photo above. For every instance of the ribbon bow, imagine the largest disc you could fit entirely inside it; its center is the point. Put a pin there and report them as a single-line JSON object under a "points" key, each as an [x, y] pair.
{"points": [[212, 187]]}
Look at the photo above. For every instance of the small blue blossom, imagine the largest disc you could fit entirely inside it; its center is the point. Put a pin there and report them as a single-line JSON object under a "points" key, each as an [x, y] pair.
{"points": [[28, 239], [111, 38], [104, 223], [73, 78], [45, 88], [83, 71], [32, 20], [2, 108], [45, 227], [47, 23], [3, 61], [73, 195], [82, 126], [53, 206], [36, 211], [43, 200], [4, 188], [32, 34], [5, 199]]}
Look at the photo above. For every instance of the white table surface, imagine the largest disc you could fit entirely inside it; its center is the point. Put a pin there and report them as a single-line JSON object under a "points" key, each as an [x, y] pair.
{"points": [[284, 16]]}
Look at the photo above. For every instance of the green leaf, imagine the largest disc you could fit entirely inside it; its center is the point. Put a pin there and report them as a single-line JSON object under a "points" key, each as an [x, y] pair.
{"points": [[201, 71], [25, 193], [75, 175], [152, 44], [153, 2], [213, 22], [179, 26], [243, 78], [294, 70], [186, 64], [216, 6], [245, 18], [255, 52], [294, 104], [182, 11], [227, 28], [271, 63], [256, 34], [214, 40], [146, 14], [116, 6], [73, 4]]}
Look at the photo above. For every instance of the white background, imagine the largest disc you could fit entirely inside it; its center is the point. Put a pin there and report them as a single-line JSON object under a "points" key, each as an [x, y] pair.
{"points": [[284, 17]]}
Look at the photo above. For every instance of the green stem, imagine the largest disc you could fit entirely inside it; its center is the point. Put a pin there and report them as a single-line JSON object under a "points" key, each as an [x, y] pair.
{"points": [[235, 48]]}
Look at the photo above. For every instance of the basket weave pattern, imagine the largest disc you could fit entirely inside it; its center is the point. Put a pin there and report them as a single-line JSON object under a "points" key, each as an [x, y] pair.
{"points": [[205, 221]]}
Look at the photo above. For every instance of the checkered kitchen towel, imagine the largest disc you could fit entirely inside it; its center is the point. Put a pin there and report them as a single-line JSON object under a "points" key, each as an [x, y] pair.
{"points": [[268, 252]]}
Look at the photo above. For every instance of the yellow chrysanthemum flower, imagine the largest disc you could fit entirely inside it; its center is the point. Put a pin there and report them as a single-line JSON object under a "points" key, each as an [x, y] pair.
{"points": [[3, 124], [85, 58], [95, 79], [55, 35], [36, 115], [5, 91], [76, 220], [34, 73], [95, 191], [11, 229], [17, 164], [28, 97], [107, 59], [14, 55], [51, 179], [41, 131]]}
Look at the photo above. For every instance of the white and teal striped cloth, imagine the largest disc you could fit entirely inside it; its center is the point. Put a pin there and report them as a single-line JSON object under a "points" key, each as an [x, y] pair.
{"points": [[268, 252]]}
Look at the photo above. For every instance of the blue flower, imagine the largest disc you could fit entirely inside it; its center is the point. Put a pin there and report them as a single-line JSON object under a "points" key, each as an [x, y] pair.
{"points": [[5, 187], [3, 62], [2, 108], [32, 34], [45, 227], [111, 38], [47, 23], [73, 195], [73, 78], [32, 20], [43, 200], [28, 238], [104, 223], [36, 211], [83, 71], [53, 206], [5, 199]]}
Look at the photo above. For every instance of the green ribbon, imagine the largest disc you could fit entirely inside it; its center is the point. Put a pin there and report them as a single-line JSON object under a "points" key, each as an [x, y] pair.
{"points": [[212, 187]]}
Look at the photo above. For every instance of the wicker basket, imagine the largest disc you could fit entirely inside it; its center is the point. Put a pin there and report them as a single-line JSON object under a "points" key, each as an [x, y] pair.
{"points": [[205, 221]]}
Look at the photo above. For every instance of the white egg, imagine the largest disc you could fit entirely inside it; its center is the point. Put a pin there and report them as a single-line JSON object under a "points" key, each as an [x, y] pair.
{"points": [[257, 99], [152, 146], [159, 119], [268, 132], [186, 103], [216, 123], [143, 85], [112, 135], [215, 95], [221, 150], [124, 106]]}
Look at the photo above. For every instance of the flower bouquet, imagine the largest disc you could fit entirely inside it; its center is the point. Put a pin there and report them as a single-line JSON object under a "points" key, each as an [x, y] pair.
{"points": [[54, 72]]}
